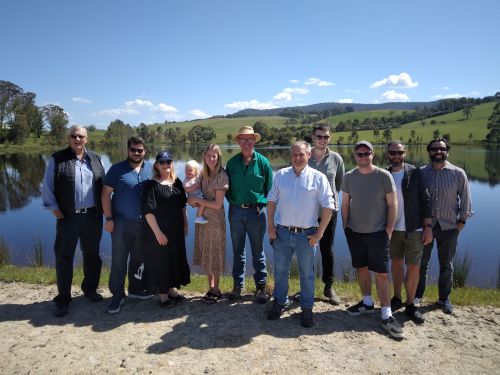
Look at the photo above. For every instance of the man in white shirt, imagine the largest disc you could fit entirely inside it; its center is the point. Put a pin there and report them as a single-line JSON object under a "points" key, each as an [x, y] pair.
{"points": [[293, 202]]}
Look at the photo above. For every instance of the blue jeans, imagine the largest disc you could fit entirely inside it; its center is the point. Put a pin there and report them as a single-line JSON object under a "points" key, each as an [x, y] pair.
{"points": [[285, 244], [125, 241], [251, 222]]}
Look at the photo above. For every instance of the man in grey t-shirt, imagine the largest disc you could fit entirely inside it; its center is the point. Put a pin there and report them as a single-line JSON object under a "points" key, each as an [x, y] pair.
{"points": [[369, 206]]}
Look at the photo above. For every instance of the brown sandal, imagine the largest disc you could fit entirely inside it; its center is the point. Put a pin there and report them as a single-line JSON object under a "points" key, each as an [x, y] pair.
{"points": [[211, 297]]}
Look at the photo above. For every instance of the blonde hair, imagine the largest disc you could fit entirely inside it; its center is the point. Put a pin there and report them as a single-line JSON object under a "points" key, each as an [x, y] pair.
{"points": [[206, 169], [156, 173], [193, 164]]}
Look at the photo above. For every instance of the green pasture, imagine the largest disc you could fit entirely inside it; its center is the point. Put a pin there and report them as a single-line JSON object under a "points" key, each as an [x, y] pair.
{"points": [[333, 121]]}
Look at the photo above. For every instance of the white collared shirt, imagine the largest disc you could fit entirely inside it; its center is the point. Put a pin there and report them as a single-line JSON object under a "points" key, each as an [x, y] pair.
{"points": [[297, 197]]}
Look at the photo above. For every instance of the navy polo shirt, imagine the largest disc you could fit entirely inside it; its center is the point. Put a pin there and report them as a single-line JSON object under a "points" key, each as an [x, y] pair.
{"points": [[127, 185]]}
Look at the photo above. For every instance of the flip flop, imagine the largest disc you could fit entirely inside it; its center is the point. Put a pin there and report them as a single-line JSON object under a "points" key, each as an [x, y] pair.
{"points": [[211, 298]]}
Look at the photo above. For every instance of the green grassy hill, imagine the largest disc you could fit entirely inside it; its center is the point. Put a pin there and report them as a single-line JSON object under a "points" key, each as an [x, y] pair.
{"points": [[333, 121], [452, 123]]}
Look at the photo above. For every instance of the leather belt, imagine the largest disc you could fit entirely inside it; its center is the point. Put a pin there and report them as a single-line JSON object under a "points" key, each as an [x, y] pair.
{"points": [[296, 229], [84, 210]]}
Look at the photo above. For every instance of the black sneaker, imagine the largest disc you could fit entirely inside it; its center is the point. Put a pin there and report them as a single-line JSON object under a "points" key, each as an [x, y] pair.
{"points": [[414, 314], [392, 326], [260, 294], [116, 304], [330, 295], [61, 309], [396, 303], [360, 308], [446, 306], [306, 318], [94, 296], [276, 311]]}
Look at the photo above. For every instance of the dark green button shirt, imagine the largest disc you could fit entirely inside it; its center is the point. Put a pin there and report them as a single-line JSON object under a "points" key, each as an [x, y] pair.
{"points": [[249, 184]]}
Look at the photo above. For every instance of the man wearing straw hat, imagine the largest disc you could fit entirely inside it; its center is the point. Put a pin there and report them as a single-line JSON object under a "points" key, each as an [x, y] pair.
{"points": [[250, 179]]}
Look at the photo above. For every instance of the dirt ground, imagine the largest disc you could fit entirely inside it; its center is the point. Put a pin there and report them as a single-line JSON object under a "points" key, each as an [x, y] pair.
{"points": [[232, 338]]}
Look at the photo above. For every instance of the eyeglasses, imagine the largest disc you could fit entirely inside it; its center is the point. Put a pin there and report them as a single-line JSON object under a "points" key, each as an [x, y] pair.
{"points": [[167, 162], [136, 150], [320, 137], [246, 139], [435, 149], [394, 153], [75, 136], [363, 154]]}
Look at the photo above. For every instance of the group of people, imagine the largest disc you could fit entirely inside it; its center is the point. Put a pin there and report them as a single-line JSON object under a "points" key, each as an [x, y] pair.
{"points": [[394, 213]]}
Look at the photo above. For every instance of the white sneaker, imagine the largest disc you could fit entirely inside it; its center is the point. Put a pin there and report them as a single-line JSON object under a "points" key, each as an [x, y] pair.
{"points": [[200, 220], [416, 301]]}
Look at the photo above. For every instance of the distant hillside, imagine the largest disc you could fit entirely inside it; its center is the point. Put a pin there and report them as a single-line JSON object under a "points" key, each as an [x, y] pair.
{"points": [[329, 106]]}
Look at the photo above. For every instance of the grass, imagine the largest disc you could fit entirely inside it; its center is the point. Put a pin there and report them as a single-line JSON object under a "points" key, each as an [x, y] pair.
{"points": [[4, 252], [461, 270], [333, 121], [348, 291], [38, 252]]}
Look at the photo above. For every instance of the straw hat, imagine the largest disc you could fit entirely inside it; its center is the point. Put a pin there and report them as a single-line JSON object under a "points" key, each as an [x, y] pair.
{"points": [[247, 130]]}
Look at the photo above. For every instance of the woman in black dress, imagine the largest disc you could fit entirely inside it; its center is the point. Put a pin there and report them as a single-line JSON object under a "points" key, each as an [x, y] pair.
{"points": [[165, 213]]}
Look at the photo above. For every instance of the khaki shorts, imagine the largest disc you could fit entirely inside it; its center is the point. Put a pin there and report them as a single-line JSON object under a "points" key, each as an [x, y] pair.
{"points": [[407, 245]]}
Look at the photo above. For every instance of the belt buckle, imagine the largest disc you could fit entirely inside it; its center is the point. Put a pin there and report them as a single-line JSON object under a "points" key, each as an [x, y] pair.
{"points": [[81, 210], [293, 229], [245, 205]]}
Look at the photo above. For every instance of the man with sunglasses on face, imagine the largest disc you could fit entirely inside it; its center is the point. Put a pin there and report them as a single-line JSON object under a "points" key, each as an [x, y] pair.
{"points": [[408, 238], [451, 207], [369, 207], [332, 166], [121, 203], [72, 191]]}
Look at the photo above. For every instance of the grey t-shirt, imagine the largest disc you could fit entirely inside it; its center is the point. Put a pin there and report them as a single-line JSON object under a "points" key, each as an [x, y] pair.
{"points": [[368, 208]]}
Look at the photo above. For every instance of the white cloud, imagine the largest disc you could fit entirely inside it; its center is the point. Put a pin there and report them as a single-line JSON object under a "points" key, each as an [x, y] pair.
{"points": [[403, 81], [344, 101], [448, 96], [475, 93], [356, 90], [78, 99], [165, 108], [198, 113], [255, 104], [445, 88], [294, 81], [117, 112], [138, 103], [318, 82], [393, 96], [286, 94]]}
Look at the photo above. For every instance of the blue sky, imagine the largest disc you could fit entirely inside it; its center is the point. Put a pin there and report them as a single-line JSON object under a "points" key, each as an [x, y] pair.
{"points": [[151, 61]]}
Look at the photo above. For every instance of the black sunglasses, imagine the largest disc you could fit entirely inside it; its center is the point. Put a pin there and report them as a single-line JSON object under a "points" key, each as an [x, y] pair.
{"points": [[393, 153], [435, 149], [322, 137], [75, 136], [363, 154], [138, 150], [163, 162]]}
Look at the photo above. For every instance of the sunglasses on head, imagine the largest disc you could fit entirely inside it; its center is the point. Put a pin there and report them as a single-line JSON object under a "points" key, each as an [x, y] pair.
{"points": [[163, 162], [393, 153], [136, 150], [435, 149], [363, 154], [322, 137], [75, 136]]}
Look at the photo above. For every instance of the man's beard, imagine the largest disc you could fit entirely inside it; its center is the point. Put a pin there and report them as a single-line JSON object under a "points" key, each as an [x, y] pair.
{"points": [[398, 163], [436, 159], [132, 161]]}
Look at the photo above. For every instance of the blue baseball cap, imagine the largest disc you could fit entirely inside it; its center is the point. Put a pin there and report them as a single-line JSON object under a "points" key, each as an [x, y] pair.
{"points": [[164, 156]]}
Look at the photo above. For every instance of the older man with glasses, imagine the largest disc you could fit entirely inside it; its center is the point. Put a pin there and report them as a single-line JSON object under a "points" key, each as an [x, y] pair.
{"points": [[121, 203], [369, 207], [72, 191]]}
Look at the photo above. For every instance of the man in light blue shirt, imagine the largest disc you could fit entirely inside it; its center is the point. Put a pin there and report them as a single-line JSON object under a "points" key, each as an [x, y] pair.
{"points": [[293, 202], [72, 190], [122, 207]]}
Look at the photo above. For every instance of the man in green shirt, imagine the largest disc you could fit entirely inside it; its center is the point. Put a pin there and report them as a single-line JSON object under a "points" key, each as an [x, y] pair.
{"points": [[250, 179]]}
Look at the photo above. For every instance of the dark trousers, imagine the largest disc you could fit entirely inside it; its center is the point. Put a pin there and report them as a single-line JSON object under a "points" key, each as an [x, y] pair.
{"points": [[447, 246], [326, 248], [126, 241], [87, 228]]}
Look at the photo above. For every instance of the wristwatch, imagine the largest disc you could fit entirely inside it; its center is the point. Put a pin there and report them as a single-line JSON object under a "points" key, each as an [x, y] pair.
{"points": [[109, 218]]}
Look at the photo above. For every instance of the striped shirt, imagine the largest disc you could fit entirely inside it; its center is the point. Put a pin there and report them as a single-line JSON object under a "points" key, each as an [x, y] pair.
{"points": [[450, 194]]}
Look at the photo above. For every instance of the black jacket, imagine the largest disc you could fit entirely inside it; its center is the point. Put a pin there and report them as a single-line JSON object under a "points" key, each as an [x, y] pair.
{"points": [[417, 199], [64, 179]]}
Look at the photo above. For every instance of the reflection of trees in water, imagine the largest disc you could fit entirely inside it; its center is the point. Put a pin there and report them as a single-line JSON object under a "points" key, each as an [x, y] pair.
{"points": [[492, 164], [21, 177]]}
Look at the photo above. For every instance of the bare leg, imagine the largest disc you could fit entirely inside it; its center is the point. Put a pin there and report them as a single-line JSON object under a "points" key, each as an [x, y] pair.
{"points": [[411, 282], [365, 282], [397, 276], [383, 289], [200, 211]]}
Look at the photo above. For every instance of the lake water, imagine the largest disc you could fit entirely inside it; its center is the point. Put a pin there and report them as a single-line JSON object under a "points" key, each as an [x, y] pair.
{"points": [[23, 220]]}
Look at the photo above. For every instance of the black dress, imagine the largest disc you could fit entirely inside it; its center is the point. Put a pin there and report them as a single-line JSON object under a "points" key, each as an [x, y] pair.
{"points": [[168, 264]]}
